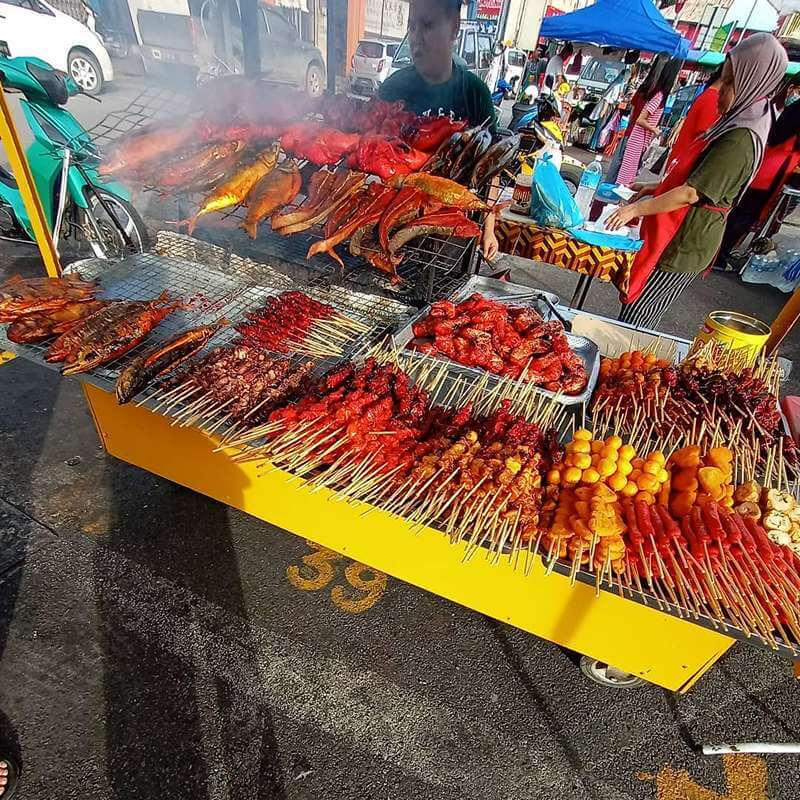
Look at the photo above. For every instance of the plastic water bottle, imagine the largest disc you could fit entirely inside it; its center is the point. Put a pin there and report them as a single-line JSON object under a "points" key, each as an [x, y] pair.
{"points": [[762, 268], [590, 180], [754, 272], [787, 276]]}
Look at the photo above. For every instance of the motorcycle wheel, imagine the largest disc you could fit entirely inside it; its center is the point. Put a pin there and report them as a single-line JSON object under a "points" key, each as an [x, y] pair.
{"points": [[103, 234]]}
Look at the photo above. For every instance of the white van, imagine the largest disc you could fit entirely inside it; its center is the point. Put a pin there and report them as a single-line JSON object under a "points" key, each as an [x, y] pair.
{"points": [[370, 65]]}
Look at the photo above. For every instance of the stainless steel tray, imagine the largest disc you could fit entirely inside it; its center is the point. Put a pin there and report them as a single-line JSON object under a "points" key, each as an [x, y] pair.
{"points": [[505, 292], [585, 348]]}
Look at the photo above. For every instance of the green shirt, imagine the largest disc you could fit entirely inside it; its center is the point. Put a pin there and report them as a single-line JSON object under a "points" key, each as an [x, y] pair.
{"points": [[718, 177], [464, 95]]}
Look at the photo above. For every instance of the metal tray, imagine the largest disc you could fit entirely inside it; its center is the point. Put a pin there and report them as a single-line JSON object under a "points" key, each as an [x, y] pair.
{"points": [[585, 348], [505, 292]]}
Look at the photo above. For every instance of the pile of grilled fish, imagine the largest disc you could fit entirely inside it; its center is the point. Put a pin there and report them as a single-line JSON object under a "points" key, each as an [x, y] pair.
{"points": [[469, 157], [108, 333]]}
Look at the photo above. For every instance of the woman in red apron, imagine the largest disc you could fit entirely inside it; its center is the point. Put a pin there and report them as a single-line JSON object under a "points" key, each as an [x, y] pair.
{"points": [[684, 219]]}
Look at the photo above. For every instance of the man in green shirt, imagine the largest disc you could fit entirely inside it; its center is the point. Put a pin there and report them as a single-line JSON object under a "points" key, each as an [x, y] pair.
{"points": [[436, 84]]}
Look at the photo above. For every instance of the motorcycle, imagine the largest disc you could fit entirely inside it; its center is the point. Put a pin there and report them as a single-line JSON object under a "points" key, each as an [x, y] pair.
{"points": [[64, 162], [536, 123], [504, 90]]}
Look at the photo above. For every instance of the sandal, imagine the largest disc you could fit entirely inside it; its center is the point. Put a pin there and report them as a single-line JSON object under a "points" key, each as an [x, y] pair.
{"points": [[12, 776]]}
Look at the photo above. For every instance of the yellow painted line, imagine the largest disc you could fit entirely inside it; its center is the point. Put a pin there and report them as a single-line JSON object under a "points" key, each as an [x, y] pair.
{"points": [[745, 775], [6, 356]]}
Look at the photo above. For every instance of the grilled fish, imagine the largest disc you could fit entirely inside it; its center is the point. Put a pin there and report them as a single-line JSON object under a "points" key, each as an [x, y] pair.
{"points": [[185, 171], [38, 327], [499, 156], [274, 190], [143, 146], [161, 360], [235, 189], [109, 341], [68, 343], [447, 192], [22, 296]]}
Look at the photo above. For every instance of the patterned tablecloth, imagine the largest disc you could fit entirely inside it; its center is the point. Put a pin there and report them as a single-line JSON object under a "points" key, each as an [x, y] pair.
{"points": [[555, 246]]}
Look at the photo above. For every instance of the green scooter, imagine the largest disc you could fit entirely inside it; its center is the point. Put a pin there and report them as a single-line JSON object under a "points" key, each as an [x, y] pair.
{"points": [[80, 208]]}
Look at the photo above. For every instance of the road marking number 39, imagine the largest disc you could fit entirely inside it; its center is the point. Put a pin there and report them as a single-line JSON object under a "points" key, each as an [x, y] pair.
{"points": [[364, 587]]}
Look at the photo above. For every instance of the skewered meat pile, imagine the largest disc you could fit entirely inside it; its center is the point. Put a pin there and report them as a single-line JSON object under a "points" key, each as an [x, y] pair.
{"points": [[242, 380], [295, 322], [506, 340], [694, 402], [376, 435]]}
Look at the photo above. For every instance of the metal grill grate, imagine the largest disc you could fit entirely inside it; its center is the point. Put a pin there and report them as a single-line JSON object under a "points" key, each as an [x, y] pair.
{"points": [[210, 295], [151, 105]]}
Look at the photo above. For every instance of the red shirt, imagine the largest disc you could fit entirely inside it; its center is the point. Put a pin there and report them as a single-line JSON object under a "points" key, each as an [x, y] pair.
{"points": [[702, 115]]}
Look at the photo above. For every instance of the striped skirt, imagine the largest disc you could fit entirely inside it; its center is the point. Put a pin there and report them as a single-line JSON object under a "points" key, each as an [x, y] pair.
{"points": [[660, 292]]}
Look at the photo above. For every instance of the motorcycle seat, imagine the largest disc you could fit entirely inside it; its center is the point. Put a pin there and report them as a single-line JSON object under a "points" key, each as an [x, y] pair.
{"points": [[7, 178], [52, 82]]}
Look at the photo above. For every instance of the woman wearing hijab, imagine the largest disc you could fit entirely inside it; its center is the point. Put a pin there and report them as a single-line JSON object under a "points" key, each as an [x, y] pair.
{"points": [[684, 220]]}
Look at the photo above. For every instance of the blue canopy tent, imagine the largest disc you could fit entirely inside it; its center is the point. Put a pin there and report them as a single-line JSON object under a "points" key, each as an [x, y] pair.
{"points": [[629, 24]]}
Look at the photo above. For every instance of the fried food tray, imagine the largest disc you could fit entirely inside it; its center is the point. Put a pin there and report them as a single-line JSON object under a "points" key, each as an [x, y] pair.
{"points": [[545, 303]]}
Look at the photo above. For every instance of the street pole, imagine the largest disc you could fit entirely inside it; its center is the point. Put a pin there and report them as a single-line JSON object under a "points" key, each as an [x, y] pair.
{"points": [[502, 21], [331, 54], [251, 57], [747, 21]]}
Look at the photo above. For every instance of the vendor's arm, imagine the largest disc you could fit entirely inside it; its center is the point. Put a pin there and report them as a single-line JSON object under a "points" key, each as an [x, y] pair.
{"points": [[717, 179], [489, 244], [679, 197]]}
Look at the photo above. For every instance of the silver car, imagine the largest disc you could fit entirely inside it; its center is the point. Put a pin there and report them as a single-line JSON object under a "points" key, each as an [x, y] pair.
{"points": [[370, 65]]}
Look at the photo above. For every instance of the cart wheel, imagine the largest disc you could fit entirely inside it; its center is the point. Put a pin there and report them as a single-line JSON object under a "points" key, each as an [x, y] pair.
{"points": [[608, 676]]}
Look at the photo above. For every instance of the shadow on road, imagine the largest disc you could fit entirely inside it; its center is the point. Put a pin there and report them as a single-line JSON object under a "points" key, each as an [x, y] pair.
{"points": [[177, 727]]}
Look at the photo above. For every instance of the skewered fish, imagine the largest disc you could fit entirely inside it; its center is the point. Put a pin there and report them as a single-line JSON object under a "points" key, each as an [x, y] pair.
{"points": [[143, 146], [274, 190], [162, 359], [499, 156], [37, 327], [447, 222], [352, 183], [194, 166], [448, 192]]}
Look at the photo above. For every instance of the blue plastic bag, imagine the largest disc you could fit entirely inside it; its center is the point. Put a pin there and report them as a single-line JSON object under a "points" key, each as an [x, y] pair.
{"points": [[552, 205]]}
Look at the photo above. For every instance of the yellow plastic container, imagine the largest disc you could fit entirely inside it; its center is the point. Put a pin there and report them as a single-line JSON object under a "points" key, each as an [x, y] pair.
{"points": [[736, 331]]}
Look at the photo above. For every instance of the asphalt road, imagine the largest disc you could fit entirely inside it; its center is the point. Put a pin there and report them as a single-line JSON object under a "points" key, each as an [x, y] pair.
{"points": [[156, 644]]}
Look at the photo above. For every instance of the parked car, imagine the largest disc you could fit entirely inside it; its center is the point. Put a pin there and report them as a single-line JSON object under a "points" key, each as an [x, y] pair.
{"points": [[173, 41], [370, 65], [514, 63], [34, 28], [472, 45], [597, 75]]}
